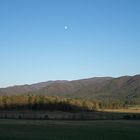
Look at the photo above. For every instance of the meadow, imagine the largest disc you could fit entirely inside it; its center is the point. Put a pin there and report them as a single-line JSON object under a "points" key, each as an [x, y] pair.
{"points": [[69, 130]]}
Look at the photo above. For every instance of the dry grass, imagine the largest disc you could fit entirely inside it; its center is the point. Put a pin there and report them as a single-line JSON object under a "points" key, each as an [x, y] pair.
{"points": [[122, 110]]}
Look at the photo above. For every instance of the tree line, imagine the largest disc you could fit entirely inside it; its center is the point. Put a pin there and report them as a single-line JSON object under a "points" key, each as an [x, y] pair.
{"points": [[47, 103]]}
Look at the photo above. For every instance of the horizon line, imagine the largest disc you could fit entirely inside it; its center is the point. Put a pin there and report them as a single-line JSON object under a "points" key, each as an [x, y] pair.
{"points": [[16, 85]]}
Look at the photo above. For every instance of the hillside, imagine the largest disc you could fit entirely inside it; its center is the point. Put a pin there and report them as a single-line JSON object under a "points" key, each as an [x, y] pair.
{"points": [[125, 88]]}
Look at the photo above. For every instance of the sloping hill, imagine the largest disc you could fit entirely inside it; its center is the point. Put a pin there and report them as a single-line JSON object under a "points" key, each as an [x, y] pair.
{"points": [[24, 89], [126, 87]]}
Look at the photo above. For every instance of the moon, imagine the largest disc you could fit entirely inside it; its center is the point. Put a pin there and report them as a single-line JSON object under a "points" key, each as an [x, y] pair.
{"points": [[65, 27]]}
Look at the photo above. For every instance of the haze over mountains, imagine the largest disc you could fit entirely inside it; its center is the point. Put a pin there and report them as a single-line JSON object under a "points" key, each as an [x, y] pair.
{"points": [[125, 87]]}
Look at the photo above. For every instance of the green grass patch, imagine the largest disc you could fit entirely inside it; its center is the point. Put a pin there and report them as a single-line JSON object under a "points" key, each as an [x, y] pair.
{"points": [[69, 130]]}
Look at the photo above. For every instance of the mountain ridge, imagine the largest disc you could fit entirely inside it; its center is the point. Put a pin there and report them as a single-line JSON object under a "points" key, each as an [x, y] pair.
{"points": [[124, 87]]}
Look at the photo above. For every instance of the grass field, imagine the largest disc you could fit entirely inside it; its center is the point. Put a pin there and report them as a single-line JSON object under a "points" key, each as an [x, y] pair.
{"points": [[130, 110], [69, 130]]}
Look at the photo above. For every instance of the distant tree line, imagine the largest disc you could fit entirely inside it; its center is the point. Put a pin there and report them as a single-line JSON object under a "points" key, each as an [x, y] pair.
{"points": [[34, 102], [31, 102]]}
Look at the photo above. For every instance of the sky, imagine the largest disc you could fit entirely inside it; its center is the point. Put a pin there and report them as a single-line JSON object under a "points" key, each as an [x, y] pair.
{"points": [[43, 40]]}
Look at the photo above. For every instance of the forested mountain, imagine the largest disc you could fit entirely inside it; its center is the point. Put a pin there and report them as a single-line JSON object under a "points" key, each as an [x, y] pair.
{"points": [[104, 88]]}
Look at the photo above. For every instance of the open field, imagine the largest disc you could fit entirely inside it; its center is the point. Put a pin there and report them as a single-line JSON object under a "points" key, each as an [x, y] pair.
{"points": [[69, 130], [131, 110], [61, 115]]}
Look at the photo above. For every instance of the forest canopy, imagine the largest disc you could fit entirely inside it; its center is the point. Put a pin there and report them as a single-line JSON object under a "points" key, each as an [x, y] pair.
{"points": [[53, 103]]}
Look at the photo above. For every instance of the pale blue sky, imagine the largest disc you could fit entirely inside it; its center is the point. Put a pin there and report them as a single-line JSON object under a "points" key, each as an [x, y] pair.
{"points": [[102, 39]]}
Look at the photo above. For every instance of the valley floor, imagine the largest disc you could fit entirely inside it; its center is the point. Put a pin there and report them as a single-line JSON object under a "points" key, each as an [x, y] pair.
{"points": [[118, 114], [69, 130], [131, 110]]}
